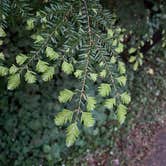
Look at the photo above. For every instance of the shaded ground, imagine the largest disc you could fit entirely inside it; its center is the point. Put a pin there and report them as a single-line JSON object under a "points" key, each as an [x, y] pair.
{"points": [[142, 142], [158, 155]]}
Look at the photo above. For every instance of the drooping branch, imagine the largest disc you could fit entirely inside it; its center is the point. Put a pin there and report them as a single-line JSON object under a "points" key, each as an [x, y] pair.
{"points": [[87, 58]]}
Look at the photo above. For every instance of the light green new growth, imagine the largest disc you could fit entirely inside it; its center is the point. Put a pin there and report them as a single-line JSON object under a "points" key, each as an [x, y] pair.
{"points": [[13, 69], [2, 32], [51, 54], [30, 24], [30, 77], [65, 96], [72, 133], [125, 97], [78, 44], [121, 68], [87, 119], [48, 74], [3, 71], [41, 66], [13, 81], [91, 103], [113, 60], [132, 50], [122, 80], [104, 89], [121, 114], [21, 58], [110, 33], [63, 117], [78, 73], [120, 48], [67, 67], [103, 73], [110, 103], [2, 56], [132, 59], [38, 39], [93, 76]]}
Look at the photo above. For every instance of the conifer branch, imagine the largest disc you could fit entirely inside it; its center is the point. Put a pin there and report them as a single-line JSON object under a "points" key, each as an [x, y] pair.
{"points": [[68, 34], [46, 41], [111, 76], [87, 59]]}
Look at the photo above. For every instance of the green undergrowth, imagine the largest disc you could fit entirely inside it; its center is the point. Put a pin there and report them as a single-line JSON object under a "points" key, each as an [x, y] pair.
{"points": [[149, 100], [28, 134]]}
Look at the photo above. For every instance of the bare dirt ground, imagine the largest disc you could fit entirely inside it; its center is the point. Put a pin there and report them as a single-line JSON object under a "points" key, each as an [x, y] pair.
{"points": [[158, 154], [147, 146]]}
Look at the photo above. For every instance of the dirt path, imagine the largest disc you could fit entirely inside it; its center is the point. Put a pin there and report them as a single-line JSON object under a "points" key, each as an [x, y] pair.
{"points": [[158, 154]]}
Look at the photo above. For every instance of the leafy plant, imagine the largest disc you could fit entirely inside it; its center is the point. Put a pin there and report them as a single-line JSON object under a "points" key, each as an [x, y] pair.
{"points": [[76, 41], [64, 71]]}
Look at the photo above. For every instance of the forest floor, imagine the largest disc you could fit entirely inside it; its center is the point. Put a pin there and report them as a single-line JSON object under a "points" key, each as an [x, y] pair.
{"points": [[142, 141], [158, 155], [145, 143]]}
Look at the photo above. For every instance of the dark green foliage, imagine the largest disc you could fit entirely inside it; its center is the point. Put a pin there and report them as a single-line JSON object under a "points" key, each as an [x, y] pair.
{"points": [[27, 127], [69, 38], [4, 11], [66, 59]]}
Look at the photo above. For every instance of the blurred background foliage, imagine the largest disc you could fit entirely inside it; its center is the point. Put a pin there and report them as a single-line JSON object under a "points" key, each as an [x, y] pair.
{"points": [[28, 135]]}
